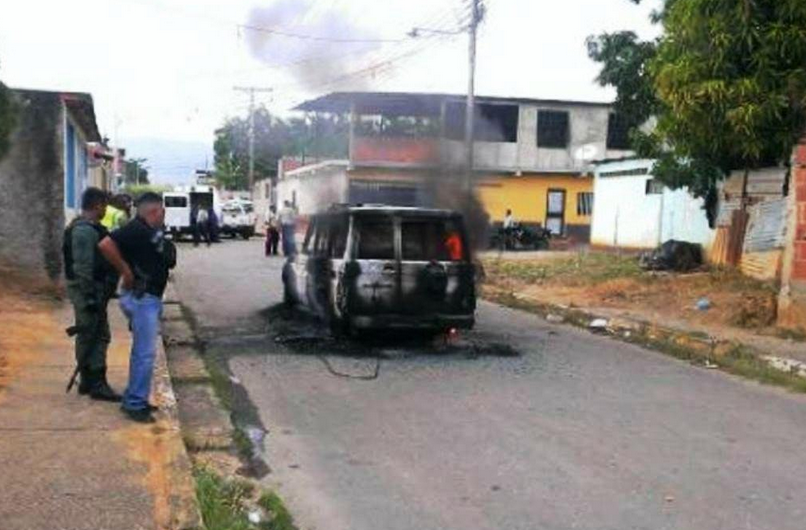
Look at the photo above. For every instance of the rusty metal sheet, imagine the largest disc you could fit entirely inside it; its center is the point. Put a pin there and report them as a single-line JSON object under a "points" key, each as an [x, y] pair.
{"points": [[726, 209], [762, 265], [761, 183], [766, 229]]}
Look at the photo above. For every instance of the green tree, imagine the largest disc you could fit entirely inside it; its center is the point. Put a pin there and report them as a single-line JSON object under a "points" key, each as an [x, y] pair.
{"points": [[135, 172], [312, 136], [726, 82], [8, 118]]}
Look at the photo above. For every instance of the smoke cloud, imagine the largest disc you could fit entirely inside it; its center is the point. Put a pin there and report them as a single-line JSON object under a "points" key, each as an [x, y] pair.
{"points": [[313, 62]]}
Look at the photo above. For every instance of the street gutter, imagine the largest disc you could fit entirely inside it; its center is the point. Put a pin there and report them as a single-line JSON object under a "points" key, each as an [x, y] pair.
{"points": [[697, 348]]}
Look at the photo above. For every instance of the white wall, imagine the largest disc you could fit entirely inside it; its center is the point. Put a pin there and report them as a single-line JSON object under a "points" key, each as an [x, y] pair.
{"points": [[625, 216], [316, 187]]}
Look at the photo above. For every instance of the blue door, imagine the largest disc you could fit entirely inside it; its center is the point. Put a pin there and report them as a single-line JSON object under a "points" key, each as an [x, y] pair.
{"points": [[70, 166]]}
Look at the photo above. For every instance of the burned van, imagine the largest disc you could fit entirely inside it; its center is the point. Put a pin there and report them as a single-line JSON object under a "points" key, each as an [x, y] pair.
{"points": [[380, 267]]}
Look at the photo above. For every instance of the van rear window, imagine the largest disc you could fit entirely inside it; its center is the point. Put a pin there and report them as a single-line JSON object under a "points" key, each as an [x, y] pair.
{"points": [[376, 239], [432, 239], [176, 202]]}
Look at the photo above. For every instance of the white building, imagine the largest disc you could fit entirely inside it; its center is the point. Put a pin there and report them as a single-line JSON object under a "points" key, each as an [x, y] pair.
{"points": [[633, 210]]}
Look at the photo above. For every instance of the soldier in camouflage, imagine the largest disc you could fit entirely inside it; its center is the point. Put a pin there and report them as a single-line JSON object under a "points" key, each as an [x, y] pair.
{"points": [[90, 284]]}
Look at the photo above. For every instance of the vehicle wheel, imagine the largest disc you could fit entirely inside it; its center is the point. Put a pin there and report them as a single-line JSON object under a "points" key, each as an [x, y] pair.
{"points": [[246, 235], [288, 299]]}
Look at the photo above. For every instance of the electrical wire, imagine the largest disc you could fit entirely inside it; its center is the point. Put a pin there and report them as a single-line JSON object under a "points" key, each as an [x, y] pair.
{"points": [[371, 377], [263, 29]]}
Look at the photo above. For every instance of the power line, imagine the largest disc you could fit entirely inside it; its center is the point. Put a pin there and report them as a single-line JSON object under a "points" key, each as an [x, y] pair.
{"points": [[262, 29], [293, 35]]}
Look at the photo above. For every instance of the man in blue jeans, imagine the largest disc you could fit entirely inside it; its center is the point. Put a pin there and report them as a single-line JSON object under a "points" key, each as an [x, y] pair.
{"points": [[142, 257]]}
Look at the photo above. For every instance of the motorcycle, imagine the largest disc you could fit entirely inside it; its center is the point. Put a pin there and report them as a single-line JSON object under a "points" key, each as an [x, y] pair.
{"points": [[520, 237]]}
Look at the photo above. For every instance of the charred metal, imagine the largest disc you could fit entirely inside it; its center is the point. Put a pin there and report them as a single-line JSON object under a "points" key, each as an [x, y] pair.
{"points": [[380, 267]]}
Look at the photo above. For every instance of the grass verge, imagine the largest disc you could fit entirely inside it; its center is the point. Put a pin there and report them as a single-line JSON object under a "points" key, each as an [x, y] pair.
{"points": [[225, 504], [733, 358], [281, 519], [583, 269]]}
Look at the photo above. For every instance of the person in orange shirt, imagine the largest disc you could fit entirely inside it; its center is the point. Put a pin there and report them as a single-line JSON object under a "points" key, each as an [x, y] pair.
{"points": [[453, 244]]}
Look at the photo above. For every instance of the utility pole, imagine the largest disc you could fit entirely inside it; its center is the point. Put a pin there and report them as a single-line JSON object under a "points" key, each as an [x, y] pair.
{"points": [[470, 112], [252, 90], [476, 16]]}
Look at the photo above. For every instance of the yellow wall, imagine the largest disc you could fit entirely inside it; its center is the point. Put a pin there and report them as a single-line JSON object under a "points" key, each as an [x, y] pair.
{"points": [[526, 196]]}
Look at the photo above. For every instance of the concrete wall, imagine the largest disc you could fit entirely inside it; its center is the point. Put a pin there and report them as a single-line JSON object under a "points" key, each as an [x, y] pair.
{"points": [[624, 215], [261, 200], [32, 209], [588, 141]]}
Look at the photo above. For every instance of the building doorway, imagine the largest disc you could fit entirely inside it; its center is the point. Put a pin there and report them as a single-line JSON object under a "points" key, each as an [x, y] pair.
{"points": [[555, 212]]}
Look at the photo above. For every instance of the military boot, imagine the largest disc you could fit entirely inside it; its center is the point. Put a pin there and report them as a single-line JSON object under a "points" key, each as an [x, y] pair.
{"points": [[100, 389], [85, 383]]}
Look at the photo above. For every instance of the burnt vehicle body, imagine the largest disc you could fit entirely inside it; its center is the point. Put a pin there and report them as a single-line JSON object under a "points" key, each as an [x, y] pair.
{"points": [[380, 267]]}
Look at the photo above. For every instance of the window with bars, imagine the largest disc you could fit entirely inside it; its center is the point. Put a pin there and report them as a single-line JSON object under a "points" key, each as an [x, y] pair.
{"points": [[585, 203], [618, 133], [552, 128]]}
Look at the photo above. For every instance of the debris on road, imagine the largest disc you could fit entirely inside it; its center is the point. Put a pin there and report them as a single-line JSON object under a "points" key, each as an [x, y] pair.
{"points": [[786, 365], [598, 324], [703, 304]]}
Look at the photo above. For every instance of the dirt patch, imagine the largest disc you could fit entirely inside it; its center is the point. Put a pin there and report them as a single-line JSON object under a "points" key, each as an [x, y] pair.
{"points": [[26, 313], [603, 281], [157, 448], [146, 445]]}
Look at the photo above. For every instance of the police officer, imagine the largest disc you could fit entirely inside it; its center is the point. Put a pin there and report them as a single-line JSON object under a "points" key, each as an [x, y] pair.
{"points": [[143, 257], [90, 284]]}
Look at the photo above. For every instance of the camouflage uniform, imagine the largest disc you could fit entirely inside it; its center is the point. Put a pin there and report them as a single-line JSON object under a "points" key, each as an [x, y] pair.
{"points": [[90, 284]]}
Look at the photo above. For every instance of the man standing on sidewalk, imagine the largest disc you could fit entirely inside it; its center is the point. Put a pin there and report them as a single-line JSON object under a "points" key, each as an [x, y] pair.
{"points": [[288, 225], [142, 256], [90, 284]]}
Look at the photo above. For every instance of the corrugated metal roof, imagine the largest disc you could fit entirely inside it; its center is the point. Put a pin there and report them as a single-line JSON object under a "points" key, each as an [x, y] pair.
{"points": [[418, 103]]}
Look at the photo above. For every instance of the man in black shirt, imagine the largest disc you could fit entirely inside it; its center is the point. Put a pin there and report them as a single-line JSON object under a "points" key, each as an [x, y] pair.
{"points": [[143, 258]]}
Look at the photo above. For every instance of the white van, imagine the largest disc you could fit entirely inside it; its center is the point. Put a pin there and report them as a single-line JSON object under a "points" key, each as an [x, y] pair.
{"points": [[179, 205]]}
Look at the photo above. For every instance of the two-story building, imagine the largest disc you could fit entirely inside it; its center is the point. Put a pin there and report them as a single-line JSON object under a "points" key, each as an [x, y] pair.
{"points": [[530, 155]]}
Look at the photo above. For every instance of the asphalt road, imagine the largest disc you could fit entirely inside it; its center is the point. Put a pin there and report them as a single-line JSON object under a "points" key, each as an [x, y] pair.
{"points": [[576, 431]]}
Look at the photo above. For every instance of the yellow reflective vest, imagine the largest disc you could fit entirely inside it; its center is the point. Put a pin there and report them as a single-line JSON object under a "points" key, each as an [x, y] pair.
{"points": [[114, 218]]}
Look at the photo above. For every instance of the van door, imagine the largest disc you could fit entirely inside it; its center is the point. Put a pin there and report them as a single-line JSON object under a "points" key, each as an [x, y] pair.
{"points": [[377, 276], [436, 272], [318, 268], [299, 265], [177, 211], [336, 266]]}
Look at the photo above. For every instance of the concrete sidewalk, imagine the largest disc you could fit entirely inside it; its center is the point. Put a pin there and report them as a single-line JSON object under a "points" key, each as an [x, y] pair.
{"points": [[71, 463]]}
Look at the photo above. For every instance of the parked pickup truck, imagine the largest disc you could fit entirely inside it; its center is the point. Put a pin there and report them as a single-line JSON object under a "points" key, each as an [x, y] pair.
{"points": [[238, 219]]}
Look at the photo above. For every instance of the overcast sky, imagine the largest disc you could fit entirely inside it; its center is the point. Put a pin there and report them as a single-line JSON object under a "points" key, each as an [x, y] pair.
{"points": [[165, 69]]}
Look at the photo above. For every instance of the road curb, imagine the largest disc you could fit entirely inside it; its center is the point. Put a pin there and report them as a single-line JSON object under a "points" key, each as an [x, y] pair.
{"points": [[183, 505], [646, 333]]}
